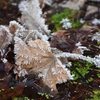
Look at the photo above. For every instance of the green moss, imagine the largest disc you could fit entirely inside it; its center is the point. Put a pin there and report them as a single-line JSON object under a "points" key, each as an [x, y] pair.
{"points": [[98, 74], [83, 68], [85, 24], [95, 96], [20, 98], [67, 13], [98, 43], [3, 89], [89, 80], [47, 96], [12, 88]]}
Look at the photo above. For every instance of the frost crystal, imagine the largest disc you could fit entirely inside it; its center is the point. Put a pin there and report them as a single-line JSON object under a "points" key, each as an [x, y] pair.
{"points": [[95, 60], [49, 67], [96, 22], [82, 21], [21, 72], [48, 2], [96, 37], [31, 16], [5, 60], [66, 23], [5, 37], [81, 48]]}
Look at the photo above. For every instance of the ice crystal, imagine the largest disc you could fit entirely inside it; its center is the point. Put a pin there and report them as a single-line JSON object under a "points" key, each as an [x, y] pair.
{"points": [[96, 37], [96, 22], [5, 37], [95, 60], [80, 47], [66, 23], [38, 57], [82, 21], [31, 16], [33, 51]]}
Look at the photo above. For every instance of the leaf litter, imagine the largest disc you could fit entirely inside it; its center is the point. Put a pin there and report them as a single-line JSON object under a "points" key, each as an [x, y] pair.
{"points": [[82, 41]]}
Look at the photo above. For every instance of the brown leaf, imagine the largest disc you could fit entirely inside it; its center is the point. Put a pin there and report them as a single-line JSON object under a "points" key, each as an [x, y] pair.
{"points": [[7, 92], [36, 57], [30, 18], [13, 27], [5, 37], [64, 40]]}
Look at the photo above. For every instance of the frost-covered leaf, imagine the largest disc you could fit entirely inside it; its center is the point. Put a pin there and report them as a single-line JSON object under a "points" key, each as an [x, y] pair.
{"points": [[36, 57], [14, 26], [28, 35], [5, 37], [31, 16], [18, 30], [95, 60]]}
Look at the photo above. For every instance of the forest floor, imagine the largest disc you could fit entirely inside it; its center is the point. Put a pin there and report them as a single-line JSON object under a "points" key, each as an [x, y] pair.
{"points": [[85, 87]]}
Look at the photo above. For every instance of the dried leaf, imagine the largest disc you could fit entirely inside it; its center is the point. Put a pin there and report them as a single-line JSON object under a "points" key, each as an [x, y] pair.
{"points": [[31, 16], [5, 37], [18, 30], [7, 92], [76, 41], [36, 57], [14, 26], [64, 40]]}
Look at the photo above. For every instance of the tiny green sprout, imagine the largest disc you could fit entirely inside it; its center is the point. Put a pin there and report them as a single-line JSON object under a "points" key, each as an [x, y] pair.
{"points": [[98, 43], [14, 99], [25, 98], [80, 83], [47, 96], [90, 79], [41, 94], [51, 95], [92, 3], [82, 70], [68, 37], [89, 45], [2, 89], [85, 24], [96, 95], [98, 75], [75, 82], [12, 88], [1, 79]]}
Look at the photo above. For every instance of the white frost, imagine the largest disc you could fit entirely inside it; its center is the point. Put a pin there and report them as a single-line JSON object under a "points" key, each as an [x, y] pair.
{"points": [[66, 23], [31, 16], [96, 22]]}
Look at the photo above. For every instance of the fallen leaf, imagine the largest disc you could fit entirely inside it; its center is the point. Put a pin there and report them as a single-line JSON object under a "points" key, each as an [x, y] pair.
{"points": [[36, 57], [5, 37]]}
